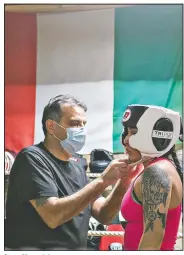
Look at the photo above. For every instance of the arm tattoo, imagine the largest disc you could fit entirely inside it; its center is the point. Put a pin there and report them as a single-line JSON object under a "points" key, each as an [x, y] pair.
{"points": [[155, 189], [41, 201]]}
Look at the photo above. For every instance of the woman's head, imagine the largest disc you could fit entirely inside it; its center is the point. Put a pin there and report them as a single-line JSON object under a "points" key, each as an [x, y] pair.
{"points": [[150, 130]]}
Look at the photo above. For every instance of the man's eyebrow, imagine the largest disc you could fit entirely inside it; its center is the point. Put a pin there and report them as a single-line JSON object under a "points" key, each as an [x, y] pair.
{"points": [[78, 120]]}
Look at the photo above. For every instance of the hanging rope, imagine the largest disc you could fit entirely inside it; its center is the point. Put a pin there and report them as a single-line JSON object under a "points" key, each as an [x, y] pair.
{"points": [[91, 175], [105, 233], [117, 233]]}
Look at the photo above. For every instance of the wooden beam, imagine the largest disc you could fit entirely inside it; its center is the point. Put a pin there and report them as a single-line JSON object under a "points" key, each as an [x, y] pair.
{"points": [[45, 8]]}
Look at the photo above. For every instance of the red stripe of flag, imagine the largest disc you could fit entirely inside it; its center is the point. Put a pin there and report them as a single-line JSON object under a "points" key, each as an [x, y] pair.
{"points": [[20, 79]]}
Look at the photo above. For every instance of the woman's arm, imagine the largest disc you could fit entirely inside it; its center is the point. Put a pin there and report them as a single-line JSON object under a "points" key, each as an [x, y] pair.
{"points": [[156, 194]]}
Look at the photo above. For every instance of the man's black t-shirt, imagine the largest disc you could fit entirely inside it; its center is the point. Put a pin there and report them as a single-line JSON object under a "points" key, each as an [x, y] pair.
{"points": [[37, 173]]}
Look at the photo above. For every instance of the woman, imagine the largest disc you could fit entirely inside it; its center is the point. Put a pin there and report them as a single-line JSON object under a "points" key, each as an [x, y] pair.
{"points": [[152, 203]]}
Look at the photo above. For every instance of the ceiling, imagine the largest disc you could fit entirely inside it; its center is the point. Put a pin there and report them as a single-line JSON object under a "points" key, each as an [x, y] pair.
{"points": [[47, 8]]}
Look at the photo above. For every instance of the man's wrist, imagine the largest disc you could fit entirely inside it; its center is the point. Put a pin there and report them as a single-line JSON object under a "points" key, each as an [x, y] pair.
{"points": [[102, 181]]}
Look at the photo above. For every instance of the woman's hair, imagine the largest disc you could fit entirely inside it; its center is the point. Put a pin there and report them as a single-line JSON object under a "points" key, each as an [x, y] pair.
{"points": [[172, 153]]}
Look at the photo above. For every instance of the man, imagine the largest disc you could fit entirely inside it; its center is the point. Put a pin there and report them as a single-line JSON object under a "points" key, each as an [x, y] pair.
{"points": [[49, 200]]}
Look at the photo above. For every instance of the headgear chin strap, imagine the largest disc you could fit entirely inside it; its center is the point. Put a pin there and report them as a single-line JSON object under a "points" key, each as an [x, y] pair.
{"points": [[158, 129]]}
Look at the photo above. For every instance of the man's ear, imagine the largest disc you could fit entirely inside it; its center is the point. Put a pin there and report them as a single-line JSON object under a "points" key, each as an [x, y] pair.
{"points": [[50, 126]]}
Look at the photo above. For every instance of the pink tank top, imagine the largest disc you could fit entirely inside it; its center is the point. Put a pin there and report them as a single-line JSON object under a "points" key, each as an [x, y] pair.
{"points": [[132, 212]]}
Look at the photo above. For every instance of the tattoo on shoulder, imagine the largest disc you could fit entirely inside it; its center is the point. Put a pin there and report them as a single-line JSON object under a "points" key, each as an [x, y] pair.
{"points": [[41, 201], [155, 189]]}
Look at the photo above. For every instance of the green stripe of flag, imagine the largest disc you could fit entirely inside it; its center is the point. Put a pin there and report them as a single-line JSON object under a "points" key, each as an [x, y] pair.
{"points": [[147, 60]]}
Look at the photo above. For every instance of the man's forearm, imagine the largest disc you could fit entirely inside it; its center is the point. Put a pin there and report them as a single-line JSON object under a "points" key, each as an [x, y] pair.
{"points": [[81, 199], [112, 203], [57, 211]]}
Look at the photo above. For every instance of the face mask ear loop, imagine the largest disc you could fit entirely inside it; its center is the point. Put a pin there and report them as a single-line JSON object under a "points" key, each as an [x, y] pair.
{"points": [[56, 137], [60, 125], [63, 128]]}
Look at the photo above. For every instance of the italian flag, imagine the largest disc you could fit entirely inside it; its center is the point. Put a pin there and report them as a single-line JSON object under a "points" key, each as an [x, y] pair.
{"points": [[106, 58]]}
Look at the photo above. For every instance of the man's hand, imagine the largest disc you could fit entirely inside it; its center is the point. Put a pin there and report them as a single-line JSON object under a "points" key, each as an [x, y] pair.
{"points": [[131, 173], [115, 171]]}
